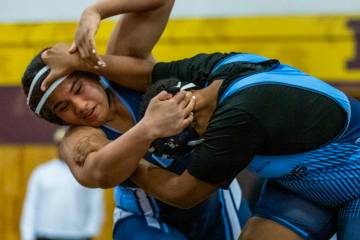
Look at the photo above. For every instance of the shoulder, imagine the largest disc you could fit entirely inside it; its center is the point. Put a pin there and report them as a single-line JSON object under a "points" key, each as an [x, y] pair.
{"points": [[80, 136], [78, 132]]}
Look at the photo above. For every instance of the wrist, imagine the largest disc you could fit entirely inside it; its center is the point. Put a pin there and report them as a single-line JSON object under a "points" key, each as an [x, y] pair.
{"points": [[150, 130], [99, 10], [80, 65], [77, 63]]}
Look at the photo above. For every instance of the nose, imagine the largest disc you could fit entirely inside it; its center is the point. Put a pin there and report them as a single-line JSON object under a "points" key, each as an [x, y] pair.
{"points": [[81, 107]]}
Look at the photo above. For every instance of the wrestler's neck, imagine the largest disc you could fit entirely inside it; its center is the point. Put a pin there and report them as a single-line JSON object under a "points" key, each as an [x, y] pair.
{"points": [[206, 102], [119, 117]]}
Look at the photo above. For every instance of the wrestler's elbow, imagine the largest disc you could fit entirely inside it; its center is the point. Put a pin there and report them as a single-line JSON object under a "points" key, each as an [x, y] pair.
{"points": [[96, 179], [103, 180]]}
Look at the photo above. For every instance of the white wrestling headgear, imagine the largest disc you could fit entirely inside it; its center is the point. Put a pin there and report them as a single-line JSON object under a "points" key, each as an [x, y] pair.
{"points": [[48, 91]]}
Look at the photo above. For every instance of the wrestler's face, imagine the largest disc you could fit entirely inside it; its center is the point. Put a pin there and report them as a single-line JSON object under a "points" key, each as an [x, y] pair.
{"points": [[80, 100]]}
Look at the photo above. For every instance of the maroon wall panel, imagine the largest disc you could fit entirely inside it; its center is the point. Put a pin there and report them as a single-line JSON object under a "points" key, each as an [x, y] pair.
{"points": [[18, 124]]}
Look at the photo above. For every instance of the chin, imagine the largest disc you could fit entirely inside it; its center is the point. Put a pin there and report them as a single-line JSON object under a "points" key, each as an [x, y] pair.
{"points": [[96, 123]]}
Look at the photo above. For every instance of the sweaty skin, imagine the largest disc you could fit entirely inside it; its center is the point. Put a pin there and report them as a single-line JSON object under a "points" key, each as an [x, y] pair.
{"points": [[90, 107], [139, 28], [107, 164], [182, 191], [146, 25]]}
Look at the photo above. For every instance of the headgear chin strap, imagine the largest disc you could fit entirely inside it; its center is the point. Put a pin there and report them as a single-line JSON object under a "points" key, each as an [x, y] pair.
{"points": [[48, 91], [184, 142]]}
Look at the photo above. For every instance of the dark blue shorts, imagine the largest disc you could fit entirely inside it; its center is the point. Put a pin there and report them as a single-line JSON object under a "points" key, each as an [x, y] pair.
{"points": [[215, 223], [307, 218]]}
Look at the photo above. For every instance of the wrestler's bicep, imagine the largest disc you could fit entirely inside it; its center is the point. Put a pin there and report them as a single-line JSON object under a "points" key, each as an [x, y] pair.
{"points": [[195, 69]]}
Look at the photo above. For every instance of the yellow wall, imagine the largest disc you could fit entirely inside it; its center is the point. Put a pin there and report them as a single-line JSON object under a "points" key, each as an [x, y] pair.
{"points": [[16, 165], [318, 45], [321, 46]]}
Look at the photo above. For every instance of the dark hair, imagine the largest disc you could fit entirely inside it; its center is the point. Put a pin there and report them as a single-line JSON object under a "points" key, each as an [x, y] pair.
{"points": [[173, 146], [166, 84], [32, 69]]}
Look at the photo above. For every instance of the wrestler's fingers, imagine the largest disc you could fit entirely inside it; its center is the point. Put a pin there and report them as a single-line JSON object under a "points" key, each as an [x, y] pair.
{"points": [[51, 77], [73, 48], [93, 56], [87, 57], [88, 47], [187, 121], [99, 61], [163, 95], [186, 100], [190, 107], [82, 51], [179, 97]]}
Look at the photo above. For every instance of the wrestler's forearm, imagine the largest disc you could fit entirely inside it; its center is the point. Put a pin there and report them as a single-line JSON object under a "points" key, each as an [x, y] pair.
{"points": [[128, 72], [117, 160], [97, 162], [101, 163], [135, 35], [181, 191], [108, 8], [163, 185]]}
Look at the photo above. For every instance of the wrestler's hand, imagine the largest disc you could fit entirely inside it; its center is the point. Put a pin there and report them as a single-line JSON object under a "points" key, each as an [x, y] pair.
{"points": [[60, 62], [83, 148], [167, 116], [80, 142], [84, 41]]}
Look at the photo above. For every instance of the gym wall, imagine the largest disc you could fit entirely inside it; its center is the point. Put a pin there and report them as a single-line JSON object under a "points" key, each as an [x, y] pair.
{"points": [[320, 38]]}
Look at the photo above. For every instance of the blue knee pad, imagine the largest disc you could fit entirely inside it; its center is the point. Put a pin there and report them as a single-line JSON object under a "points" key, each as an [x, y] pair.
{"points": [[302, 216]]}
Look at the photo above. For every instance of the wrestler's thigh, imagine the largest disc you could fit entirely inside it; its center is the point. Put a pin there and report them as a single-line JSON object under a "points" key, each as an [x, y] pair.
{"points": [[265, 229], [294, 212]]}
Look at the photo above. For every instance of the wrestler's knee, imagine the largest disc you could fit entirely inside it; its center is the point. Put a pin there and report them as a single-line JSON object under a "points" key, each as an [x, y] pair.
{"points": [[249, 231]]}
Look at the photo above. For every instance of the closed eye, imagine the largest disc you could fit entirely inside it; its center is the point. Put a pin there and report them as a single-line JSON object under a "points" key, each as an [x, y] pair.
{"points": [[63, 107], [77, 88]]}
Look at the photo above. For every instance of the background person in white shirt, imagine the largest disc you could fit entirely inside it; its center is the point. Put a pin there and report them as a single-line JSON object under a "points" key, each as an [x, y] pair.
{"points": [[57, 207]]}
